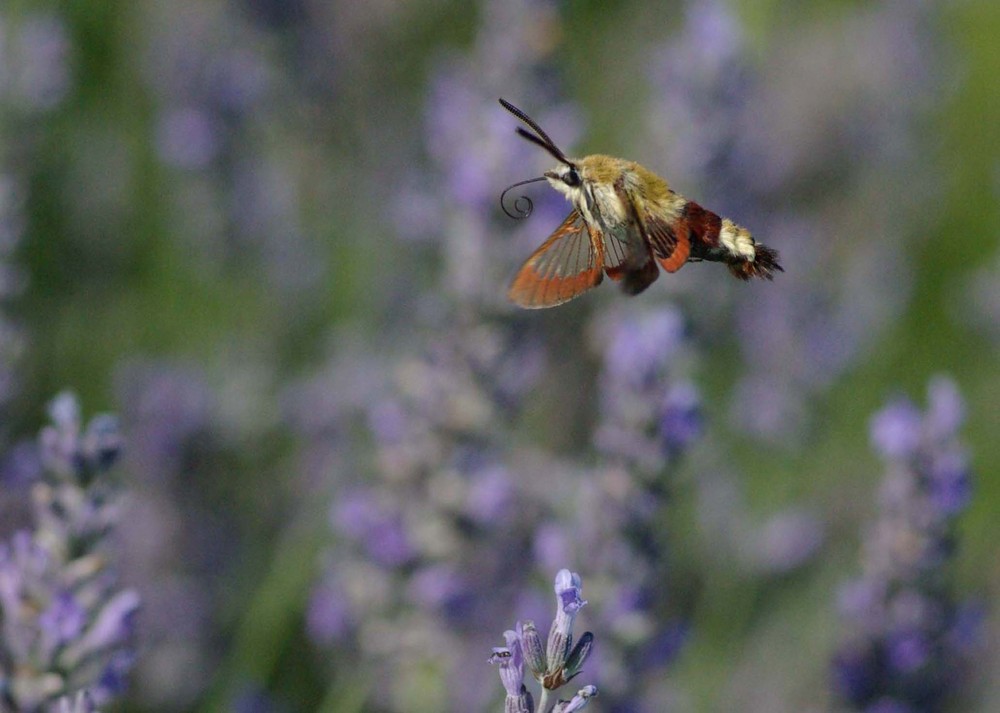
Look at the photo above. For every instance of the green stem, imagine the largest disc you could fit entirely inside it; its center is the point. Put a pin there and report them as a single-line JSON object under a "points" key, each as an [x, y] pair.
{"points": [[543, 701]]}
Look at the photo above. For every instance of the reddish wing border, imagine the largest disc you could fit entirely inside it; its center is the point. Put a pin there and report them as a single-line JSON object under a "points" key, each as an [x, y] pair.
{"points": [[670, 240], [568, 264]]}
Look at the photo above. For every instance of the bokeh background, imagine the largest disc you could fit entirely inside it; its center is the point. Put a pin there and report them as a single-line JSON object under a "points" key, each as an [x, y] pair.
{"points": [[266, 234]]}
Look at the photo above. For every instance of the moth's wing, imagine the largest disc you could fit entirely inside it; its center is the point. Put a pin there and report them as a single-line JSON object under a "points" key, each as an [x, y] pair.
{"points": [[616, 255], [569, 263], [627, 256], [669, 237], [625, 248]]}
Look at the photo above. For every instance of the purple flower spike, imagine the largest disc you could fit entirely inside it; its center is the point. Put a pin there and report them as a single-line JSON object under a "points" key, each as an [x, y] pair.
{"points": [[65, 625], [649, 415], [902, 653], [553, 668], [681, 419]]}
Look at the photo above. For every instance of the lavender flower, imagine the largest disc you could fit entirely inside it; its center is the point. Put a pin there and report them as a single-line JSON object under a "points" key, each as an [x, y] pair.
{"points": [[472, 144], [910, 636], [64, 623], [559, 651], [722, 118], [427, 550], [213, 89], [511, 660], [175, 546], [437, 522], [562, 661], [649, 416]]}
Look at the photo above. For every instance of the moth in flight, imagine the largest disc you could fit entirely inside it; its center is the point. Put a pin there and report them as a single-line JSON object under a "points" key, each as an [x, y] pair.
{"points": [[627, 222]]}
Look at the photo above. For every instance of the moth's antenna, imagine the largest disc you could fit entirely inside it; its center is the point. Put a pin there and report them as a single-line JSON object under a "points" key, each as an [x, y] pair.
{"points": [[559, 156], [542, 139], [520, 209]]}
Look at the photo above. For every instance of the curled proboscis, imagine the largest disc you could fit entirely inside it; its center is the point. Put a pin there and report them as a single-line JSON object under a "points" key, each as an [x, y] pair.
{"points": [[522, 205]]}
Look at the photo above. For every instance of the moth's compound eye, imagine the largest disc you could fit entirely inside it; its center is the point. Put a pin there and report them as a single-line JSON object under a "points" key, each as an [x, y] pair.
{"points": [[572, 178]]}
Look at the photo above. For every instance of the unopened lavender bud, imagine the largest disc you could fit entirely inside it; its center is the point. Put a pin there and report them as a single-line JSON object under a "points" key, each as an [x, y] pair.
{"points": [[568, 602], [65, 624], [534, 650], [578, 701]]}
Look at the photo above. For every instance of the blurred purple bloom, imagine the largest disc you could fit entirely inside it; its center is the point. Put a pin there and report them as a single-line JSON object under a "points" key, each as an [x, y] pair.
{"points": [[442, 587], [640, 346], [752, 131], [187, 138], [61, 622], [945, 408], [787, 541], [81, 702], [663, 647], [381, 532], [649, 417], [471, 142], [907, 651], [902, 615], [552, 545], [768, 407], [491, 495], [114, 678], [895, 430], [950, 481], [40, 68], [681, 420], [328, 615]]}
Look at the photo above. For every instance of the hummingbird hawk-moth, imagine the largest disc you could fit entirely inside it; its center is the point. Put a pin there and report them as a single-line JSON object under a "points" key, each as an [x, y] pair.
{"points": [[627, 223]]}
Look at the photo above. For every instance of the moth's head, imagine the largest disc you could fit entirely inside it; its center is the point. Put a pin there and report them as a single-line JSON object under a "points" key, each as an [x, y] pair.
{"points": [[565, 178]]}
